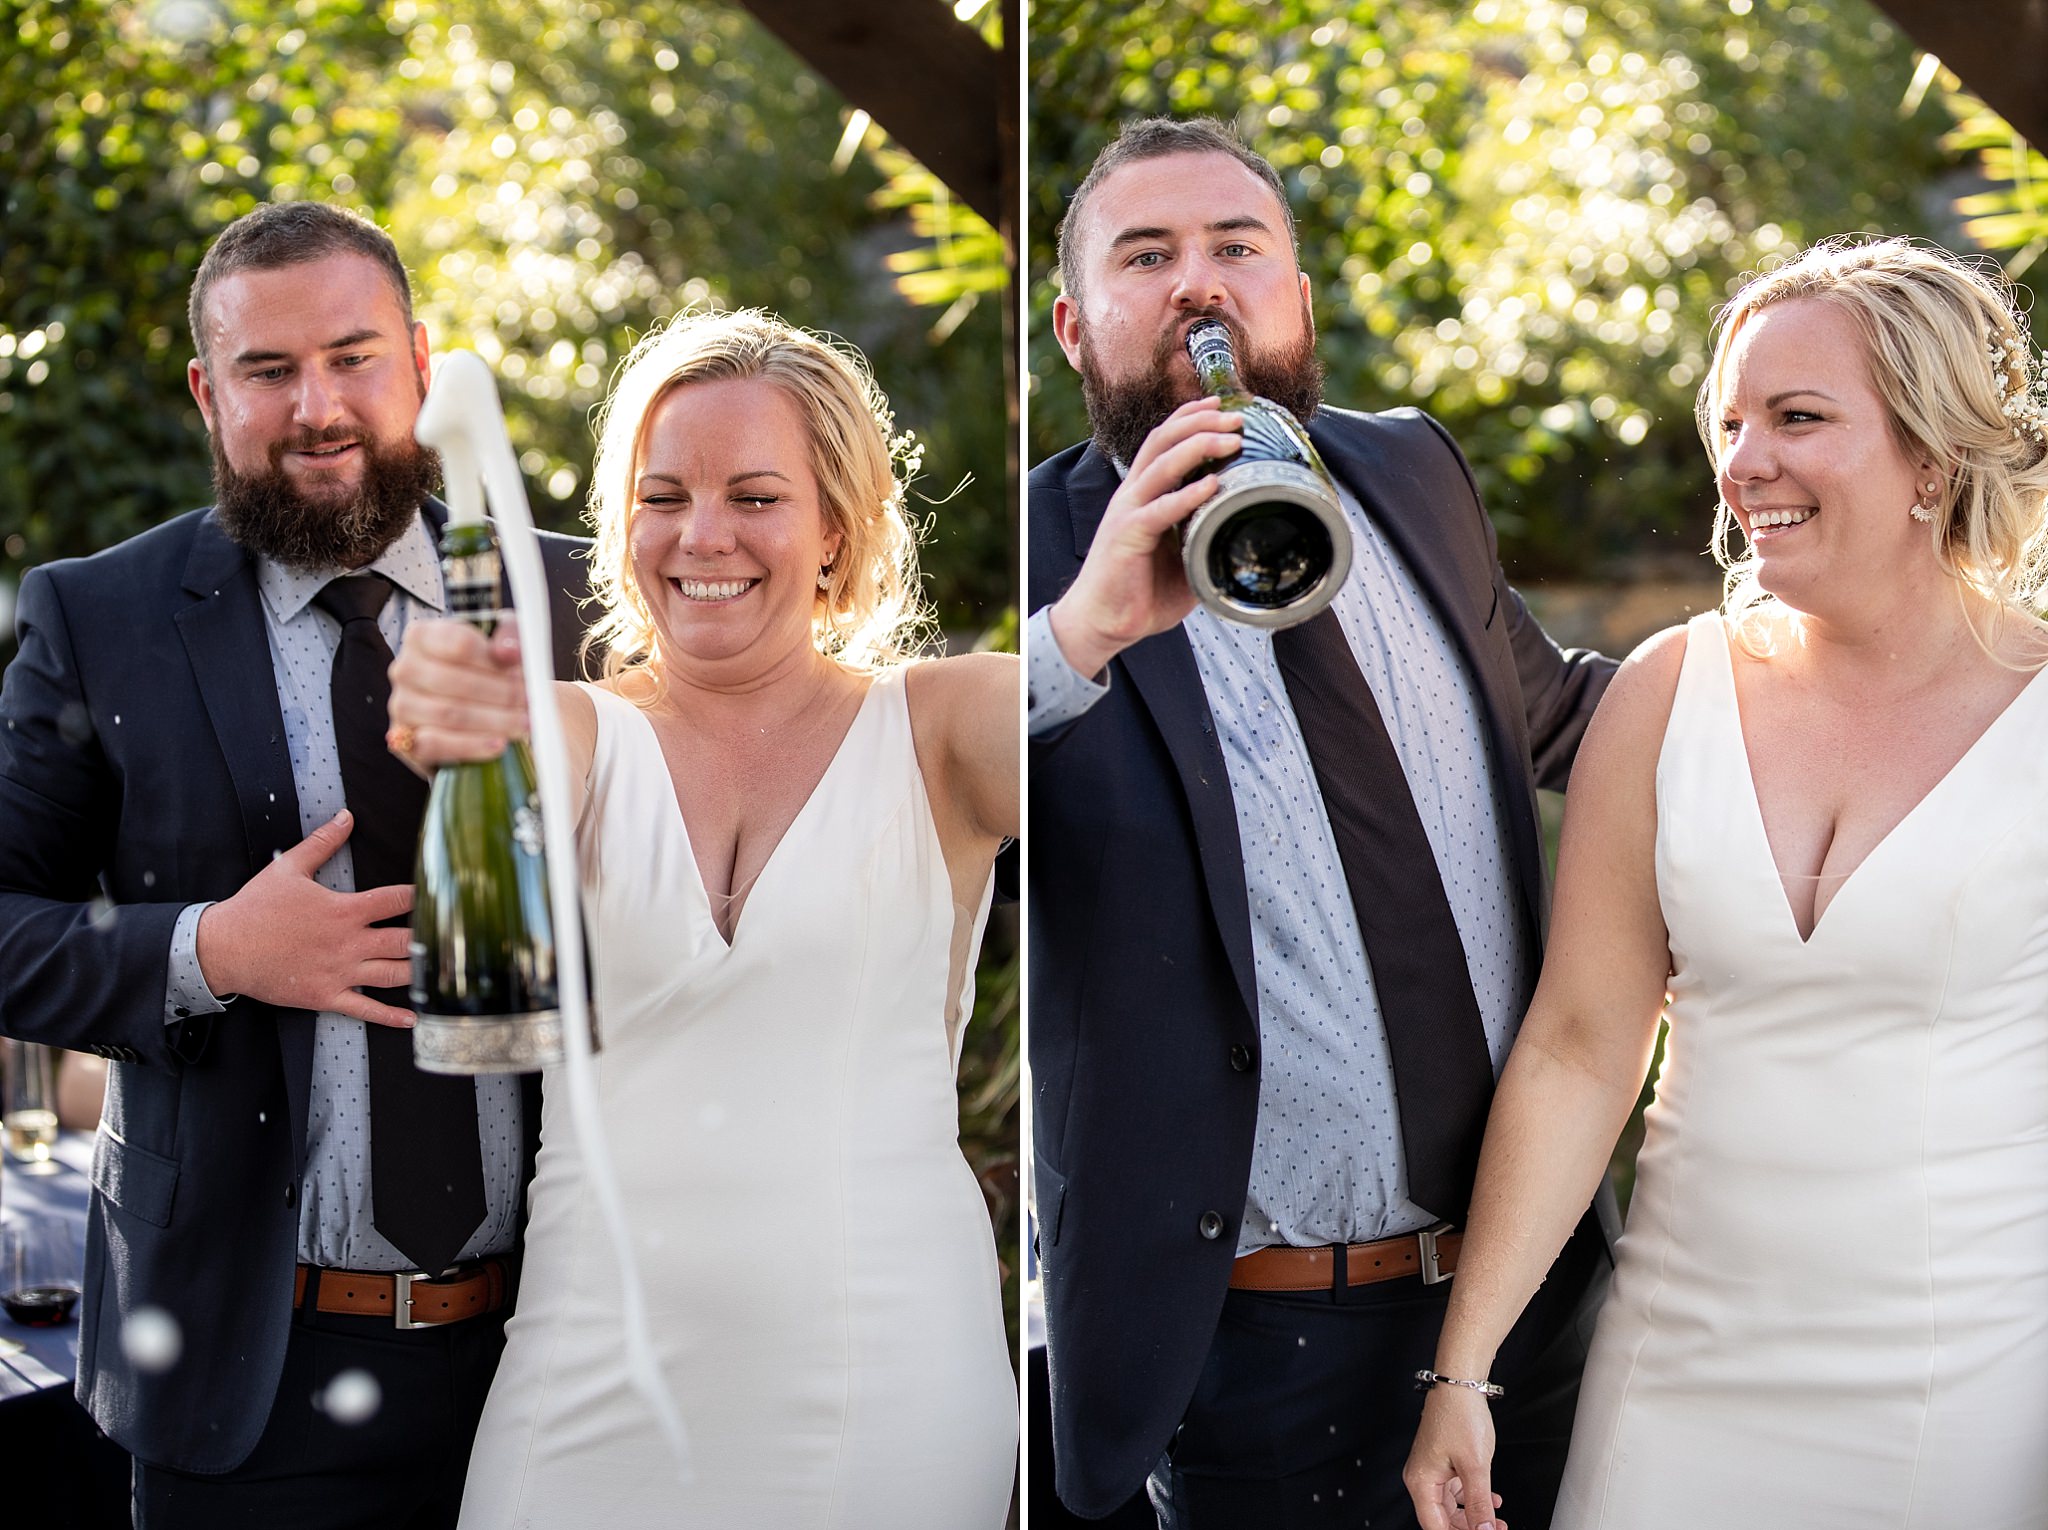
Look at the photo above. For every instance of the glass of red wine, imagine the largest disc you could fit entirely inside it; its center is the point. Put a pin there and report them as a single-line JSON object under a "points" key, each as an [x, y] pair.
{"points": [[37, 1286]]}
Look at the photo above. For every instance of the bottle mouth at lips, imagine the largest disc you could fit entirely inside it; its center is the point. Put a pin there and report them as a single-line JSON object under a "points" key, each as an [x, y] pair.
{"points": [[1270, 547], [1208, 343]]}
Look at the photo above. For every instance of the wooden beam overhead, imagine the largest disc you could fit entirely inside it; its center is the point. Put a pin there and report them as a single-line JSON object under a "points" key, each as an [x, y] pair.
{"points": [[927, 78], [1997, 48]]}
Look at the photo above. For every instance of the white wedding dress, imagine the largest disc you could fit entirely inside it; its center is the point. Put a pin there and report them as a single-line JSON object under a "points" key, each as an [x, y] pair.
{"points": [[820, 1273], [1831, 1303]]}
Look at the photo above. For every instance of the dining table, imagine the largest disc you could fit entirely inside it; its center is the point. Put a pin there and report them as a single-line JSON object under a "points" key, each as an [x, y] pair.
{"points": [[56, 1468]]}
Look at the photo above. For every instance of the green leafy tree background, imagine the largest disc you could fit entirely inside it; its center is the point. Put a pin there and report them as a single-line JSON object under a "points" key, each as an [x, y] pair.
{"points": [[559, 175]]}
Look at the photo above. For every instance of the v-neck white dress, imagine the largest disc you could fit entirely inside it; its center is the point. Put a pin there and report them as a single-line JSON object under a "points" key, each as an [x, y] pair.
{"points": [[1831, 1303], [820, 1273]]}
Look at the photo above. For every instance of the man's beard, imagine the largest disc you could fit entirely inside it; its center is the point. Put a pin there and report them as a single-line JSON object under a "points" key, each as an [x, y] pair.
{"points": [[269, 514], [1123, 414]]}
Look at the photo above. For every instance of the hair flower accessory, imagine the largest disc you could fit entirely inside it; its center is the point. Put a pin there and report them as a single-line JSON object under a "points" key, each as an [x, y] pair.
{"points": [[2022, 385]]}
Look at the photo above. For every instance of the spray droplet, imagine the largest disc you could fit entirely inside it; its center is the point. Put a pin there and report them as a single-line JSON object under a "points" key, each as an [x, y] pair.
{"points": [[151, 1339], [353, 1397], [73, 725]]}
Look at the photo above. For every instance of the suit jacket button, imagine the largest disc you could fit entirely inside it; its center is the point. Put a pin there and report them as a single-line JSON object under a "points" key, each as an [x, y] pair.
{"points": [[1241, 1058], [1211, 1225], [291, 1195]]}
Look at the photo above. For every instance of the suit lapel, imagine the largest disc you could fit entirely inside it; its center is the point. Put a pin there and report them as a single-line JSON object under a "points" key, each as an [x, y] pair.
{"points": [[229, 650], [1163, 673], [1403, 508]]}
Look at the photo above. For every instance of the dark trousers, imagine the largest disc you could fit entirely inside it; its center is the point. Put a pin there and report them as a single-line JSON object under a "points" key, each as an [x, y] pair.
{"points": [[1306, 1406], [317, 1466]]}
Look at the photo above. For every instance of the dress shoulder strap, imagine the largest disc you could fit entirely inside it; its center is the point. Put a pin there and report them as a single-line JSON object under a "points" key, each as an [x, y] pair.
{"points": [[1703, 708]]}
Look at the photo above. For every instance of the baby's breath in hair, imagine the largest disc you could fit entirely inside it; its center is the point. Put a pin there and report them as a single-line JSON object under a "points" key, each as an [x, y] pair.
{"points": [[2022, 384]]}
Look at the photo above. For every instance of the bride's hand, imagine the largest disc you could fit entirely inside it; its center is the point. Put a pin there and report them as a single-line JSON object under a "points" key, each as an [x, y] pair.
{"points": [[455, 694], [1450, 1470]]}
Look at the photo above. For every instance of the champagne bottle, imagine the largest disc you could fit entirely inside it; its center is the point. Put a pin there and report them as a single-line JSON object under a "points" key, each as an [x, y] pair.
{"points": [[484, 982], [1271, 546]]}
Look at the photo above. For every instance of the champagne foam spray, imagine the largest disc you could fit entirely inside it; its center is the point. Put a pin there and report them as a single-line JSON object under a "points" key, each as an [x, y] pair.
{"points": [[462, 420]]}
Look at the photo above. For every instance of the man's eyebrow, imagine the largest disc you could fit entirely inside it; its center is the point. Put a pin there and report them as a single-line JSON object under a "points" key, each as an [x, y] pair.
{"points": [[353, 337], [1240, 224]]}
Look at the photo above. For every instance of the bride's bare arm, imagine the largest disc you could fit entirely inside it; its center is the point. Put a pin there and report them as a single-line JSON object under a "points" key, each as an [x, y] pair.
{"points": [[967, 717], [1571, 1079]]}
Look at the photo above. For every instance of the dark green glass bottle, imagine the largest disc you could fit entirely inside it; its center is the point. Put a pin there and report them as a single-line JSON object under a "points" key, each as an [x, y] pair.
{"points": [[484, 981], [1271, 547]]}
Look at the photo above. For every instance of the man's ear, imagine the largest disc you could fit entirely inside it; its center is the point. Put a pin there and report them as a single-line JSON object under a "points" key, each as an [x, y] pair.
{"points": [[202, 390], [1066, 328]]}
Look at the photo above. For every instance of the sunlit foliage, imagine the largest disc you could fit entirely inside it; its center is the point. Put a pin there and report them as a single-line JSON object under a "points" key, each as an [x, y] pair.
{"points": [[2012, 216]]}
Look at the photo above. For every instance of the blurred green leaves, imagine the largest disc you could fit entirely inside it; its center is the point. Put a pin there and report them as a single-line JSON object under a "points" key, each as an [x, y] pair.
{"points": [[2012, 216]]}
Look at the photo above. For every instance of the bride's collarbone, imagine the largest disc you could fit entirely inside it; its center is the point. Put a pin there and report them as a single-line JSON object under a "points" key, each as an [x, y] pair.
{"points": [[1834, 778], [741, 783]]}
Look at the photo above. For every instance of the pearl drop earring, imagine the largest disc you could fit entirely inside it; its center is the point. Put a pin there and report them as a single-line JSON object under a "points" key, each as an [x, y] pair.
{"points": [[1922, 509]]}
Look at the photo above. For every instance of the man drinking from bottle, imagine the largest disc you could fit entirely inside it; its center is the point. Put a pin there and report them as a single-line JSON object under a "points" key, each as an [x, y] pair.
{"points": [[1286, 894]]}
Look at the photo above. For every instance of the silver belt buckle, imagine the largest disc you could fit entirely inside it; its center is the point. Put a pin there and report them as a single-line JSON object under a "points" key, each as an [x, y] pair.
{"points": [[1433, 1274], [401, 1303]]}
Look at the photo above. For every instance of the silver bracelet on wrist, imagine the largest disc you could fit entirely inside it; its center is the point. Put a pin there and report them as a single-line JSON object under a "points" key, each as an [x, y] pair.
{"points": [[1483, 1388]]}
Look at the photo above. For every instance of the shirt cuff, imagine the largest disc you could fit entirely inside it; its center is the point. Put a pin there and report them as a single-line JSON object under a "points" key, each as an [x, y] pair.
{"points": [[1058, 693], [186, 993]]}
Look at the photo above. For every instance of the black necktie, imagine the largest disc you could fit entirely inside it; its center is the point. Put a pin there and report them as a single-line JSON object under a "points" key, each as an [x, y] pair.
{"points": [[1443, 1073], [426, 1167]]}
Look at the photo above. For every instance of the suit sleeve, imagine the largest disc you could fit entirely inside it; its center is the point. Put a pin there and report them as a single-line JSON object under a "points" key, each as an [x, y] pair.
{"points": [[76, 969], [1560, 689], [1560, 686]]}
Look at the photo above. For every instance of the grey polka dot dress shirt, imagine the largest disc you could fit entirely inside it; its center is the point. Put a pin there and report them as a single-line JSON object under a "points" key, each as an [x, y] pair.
{"points": [[335, 1210], [1327, 1161]]}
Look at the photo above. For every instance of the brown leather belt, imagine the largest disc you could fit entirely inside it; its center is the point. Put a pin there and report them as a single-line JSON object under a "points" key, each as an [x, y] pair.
{"points": [[408, 1300], [1431, 1253]]}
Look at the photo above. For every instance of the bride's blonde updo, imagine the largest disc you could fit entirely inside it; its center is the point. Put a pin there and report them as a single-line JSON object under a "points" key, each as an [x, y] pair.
{"points": [[872, 614], [1949, 355]]}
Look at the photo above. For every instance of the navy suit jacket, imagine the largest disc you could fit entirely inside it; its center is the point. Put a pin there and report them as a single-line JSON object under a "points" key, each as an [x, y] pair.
{"points": [[1144, 1030], [143, 767]]}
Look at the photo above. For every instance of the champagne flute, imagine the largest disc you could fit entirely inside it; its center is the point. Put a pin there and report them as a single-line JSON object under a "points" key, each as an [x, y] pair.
{"points": [[29, 1111]]}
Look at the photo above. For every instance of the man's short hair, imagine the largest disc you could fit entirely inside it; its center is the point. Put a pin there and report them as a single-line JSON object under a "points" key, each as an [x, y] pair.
{"points": [[289, 234], [1156, 138]]}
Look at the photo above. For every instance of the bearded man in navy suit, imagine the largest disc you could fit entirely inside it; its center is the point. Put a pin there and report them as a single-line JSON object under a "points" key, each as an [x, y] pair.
{"points": [[177, 894], [1239, 1284]]}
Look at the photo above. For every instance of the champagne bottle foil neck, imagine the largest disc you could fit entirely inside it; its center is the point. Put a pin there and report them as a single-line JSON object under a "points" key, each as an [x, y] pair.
{"points": [[472, 573]]}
